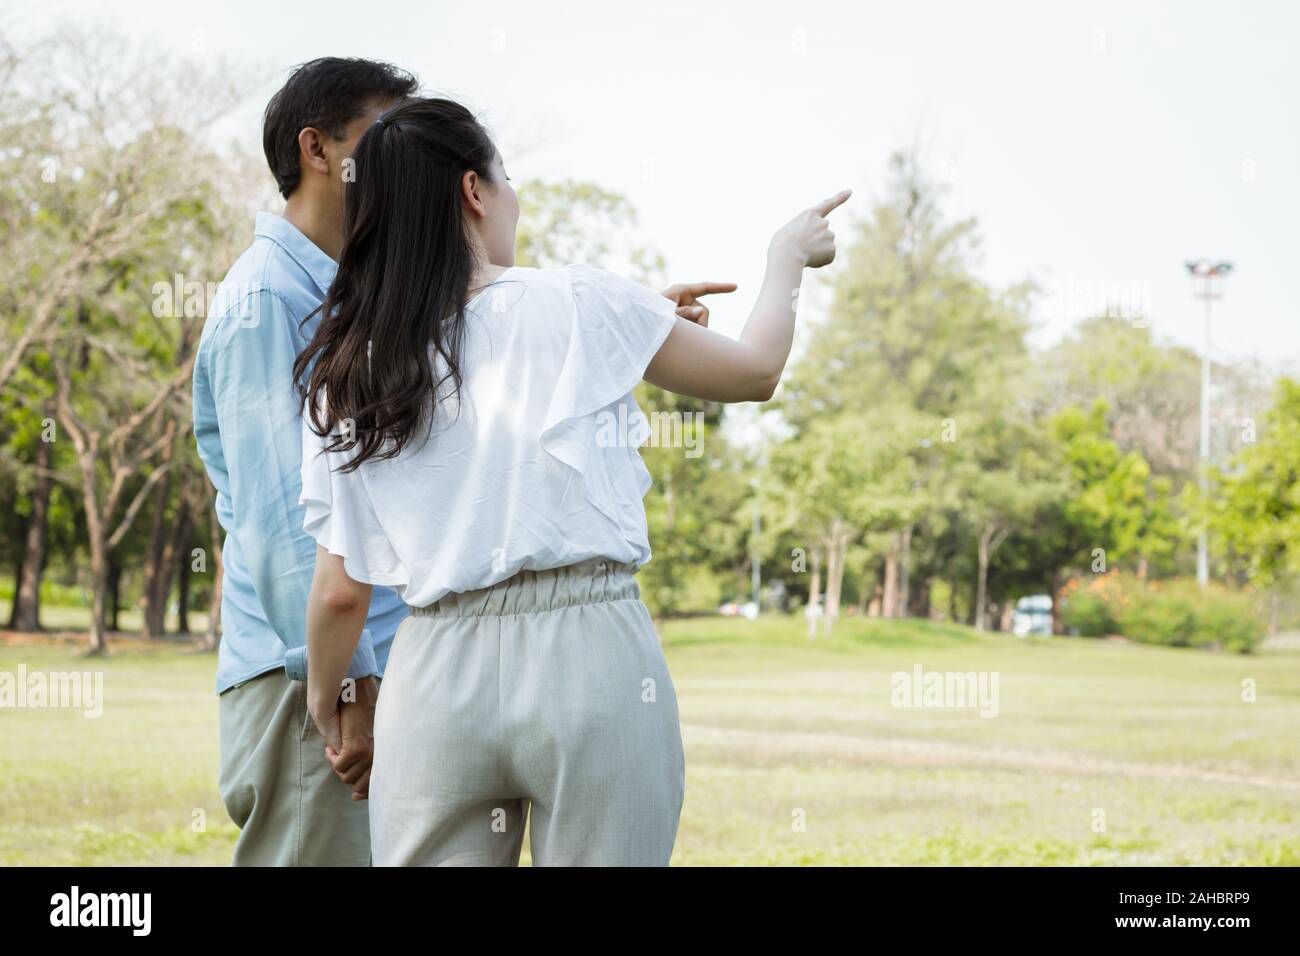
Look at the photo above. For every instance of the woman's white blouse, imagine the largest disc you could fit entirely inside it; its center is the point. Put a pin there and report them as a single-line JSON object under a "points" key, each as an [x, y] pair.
{"points": [[536, 464]]}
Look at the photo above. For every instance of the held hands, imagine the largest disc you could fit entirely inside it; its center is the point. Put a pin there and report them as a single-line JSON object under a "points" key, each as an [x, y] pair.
{"points": [[808, 236], [347, 724]]}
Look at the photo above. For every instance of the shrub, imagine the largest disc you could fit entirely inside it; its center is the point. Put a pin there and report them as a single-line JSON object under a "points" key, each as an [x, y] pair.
{"points": [[1174, 613], [1156, 617], [1229, 620], [1087, 614]]}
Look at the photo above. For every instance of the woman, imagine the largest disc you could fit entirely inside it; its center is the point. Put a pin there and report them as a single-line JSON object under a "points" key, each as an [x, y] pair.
{"points": [[453, 451]]}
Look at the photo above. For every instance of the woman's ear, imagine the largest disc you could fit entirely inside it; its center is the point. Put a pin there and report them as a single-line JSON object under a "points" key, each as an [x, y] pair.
{"points": [[469, 190], [311, 150]]}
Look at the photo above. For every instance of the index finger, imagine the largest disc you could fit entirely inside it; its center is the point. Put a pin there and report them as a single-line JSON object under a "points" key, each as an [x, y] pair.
{"points": [[827, 206], [709, 288]]}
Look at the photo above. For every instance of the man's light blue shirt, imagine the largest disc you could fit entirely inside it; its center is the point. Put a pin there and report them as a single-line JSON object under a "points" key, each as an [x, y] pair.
{"points": [[249, 437]]}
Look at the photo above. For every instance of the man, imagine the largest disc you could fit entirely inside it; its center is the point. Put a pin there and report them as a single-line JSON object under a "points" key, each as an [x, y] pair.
{"points": [[296, 802]]}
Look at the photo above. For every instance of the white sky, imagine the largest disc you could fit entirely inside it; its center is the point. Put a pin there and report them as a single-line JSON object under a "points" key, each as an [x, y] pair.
{"points": [[1098, 147]]}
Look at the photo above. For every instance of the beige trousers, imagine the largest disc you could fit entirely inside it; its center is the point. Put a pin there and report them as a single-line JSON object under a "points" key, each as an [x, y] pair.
{"points": [[277, 785], [547, 693]]}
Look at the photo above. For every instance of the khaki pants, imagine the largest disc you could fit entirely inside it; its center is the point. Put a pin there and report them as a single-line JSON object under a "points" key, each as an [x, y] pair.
{"points": [[547, 693], [278, 786]]}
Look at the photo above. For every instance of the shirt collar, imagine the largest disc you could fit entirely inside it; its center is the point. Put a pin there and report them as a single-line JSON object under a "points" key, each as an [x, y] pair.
{"points": [[302, 250]]}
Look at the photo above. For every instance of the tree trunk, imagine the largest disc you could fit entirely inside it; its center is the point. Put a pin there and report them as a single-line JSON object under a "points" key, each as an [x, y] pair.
{"points": [[919, 606], [836, 550], [98, 636], [814, 592], [18, 580], [844, 560], [889, 601], [982, 582], [991, 538], [213, 637], [183, 599], [873, 606], [158, 558], [25, 615], [97, 536], [114, 599], [905, 573], [179, 566]]}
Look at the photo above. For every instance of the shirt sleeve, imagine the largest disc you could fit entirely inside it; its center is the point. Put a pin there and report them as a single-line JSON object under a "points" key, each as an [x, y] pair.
{"points": [[618, 327], [249, 368], [339, 515]]}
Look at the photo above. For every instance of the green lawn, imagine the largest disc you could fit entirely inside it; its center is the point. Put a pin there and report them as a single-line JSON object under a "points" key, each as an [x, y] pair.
{"points": [[794, 754]]}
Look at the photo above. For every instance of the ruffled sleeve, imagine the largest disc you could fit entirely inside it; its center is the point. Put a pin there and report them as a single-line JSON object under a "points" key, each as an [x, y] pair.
{"points": [[340, 517], [617, 327]]}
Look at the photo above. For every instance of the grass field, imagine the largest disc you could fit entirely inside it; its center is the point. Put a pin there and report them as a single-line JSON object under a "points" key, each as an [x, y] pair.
{"points": [[795, 754]]}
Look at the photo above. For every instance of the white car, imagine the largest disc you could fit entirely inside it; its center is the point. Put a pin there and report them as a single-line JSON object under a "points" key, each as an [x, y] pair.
{"points": [[1033, 615]]}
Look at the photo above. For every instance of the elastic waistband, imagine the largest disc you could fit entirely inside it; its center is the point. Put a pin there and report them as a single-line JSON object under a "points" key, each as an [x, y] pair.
{"points": [[587, 582]]}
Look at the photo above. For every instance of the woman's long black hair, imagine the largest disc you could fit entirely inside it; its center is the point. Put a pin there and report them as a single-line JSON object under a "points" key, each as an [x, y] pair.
{"points": [[403, 279]]}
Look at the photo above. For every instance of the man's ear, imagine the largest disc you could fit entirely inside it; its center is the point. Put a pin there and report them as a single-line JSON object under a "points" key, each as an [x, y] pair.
{"points": [[469, 191], [311, 150]]}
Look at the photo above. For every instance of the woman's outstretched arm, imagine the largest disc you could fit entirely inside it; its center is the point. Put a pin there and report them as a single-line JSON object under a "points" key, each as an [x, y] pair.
{"points": [[703, 364]]}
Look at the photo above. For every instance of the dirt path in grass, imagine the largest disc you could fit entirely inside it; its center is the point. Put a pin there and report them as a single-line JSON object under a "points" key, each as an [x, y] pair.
{"points": [[922, 753]]}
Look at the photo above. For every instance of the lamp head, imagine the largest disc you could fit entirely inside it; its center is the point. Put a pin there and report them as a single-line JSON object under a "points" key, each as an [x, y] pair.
{"points": [[1204, 267]]}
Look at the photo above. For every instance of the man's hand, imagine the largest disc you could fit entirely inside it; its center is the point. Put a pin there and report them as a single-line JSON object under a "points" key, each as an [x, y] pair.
{"points": [[687, 298], [351, 761]]}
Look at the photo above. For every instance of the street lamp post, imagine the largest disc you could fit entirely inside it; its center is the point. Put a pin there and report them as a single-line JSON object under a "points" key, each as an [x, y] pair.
{"points": [[1204, 273]]}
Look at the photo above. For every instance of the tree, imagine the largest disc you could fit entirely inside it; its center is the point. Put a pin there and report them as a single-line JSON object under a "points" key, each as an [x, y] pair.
{"points": [[1256, 515], [112, 193], [842, 478], [570, 221], [1007, 478], [1151, 391], [1116, 505], [39, 512], [909, 318], [912, 334], [108, 152], [700, 488]]}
